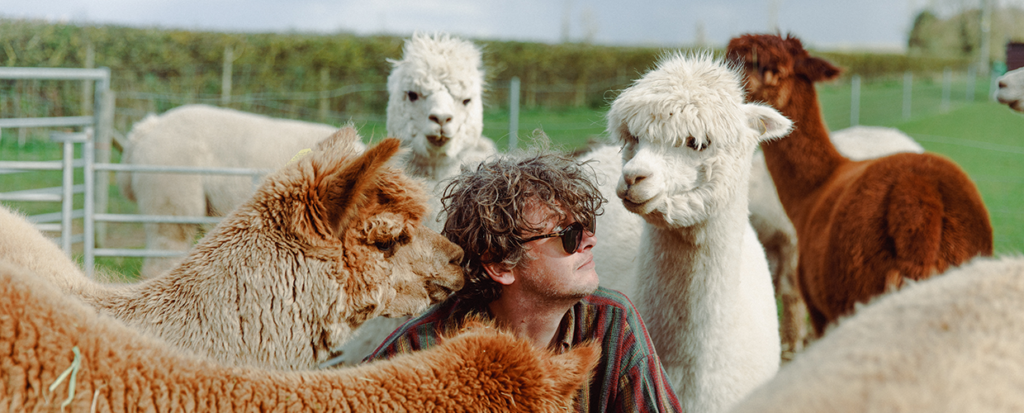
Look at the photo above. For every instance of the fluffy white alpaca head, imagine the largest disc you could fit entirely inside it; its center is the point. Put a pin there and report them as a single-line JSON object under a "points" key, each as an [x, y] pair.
{"points": [[687, 139], [435, 104], [1011, 90]]}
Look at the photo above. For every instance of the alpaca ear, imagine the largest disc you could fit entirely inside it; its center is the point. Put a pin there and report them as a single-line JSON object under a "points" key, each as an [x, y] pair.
{"points": [[342, 139], [342, 193], [768, 122], [817, 70]]}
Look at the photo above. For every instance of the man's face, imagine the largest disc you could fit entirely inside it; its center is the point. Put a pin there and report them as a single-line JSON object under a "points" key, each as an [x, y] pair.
{"points": [[548, 271]]}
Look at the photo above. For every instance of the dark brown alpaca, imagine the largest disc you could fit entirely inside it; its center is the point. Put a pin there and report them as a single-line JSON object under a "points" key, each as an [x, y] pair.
{"points": [[862, 227]]}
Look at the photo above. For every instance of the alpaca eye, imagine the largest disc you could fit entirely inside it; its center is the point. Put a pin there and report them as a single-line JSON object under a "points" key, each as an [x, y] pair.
{"points": [[466, 102], [692, 143], [385, 246], [413, 96]]}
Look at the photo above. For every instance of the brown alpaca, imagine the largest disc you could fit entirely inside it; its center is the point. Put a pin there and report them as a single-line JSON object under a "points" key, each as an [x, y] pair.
{"points": [[120, 369], [326, 243], [862, 227]]}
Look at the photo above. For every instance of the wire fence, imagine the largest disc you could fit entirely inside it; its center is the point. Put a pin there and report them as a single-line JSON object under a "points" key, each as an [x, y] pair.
{"points": [[851, 101]]}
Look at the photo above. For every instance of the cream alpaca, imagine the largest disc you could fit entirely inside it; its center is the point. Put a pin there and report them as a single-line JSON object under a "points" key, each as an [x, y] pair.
{"points": [[703, 285], [204, 136], [1011, 90], [120, 369], [326, 243], [950, 343]]}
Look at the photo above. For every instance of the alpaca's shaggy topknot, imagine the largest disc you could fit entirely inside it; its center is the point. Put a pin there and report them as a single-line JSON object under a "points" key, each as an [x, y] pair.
{"points": [[440, 58], [486, 209], [651, 109]]}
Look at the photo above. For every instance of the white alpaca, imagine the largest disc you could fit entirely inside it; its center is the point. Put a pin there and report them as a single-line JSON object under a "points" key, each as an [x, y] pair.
{"points": [[326, 243], [435, 107], [776, 232], [703, 286], [1011, 89], [951, 343], [204, 136]]}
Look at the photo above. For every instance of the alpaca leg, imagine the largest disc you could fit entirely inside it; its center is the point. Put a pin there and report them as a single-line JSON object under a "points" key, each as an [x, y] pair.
{"points": [[794, 311], [818, 320], [174, 237], [168, 194]]}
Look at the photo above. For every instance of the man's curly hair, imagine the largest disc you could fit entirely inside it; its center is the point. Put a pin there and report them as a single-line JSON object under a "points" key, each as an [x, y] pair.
{"points": [[486, 210]]}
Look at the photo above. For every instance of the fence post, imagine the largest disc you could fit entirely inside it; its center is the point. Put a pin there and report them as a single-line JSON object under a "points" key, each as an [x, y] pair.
{"points": [[513, 112], [993, 87], [103, 139], [947, 80], [90, 62], [971, 75], [67, 192], [325, 79], [908, 85], [225, 76], [581, 93], [855, 101]]}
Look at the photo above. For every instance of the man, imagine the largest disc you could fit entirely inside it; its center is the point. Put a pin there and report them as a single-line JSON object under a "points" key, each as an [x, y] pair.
{"points": [[527, 228]]}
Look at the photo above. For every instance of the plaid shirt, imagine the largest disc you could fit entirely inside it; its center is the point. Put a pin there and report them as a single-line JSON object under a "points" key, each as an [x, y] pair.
{"points": [[628, 378]]}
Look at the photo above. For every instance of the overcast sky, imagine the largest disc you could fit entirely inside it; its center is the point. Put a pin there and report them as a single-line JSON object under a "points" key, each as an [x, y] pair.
{"points": [[823, 24]]}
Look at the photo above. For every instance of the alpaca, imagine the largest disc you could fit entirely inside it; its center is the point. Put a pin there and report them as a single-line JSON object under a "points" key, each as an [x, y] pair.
{"points": [[326, 243], [435, 106], [776, 232], [862, 226], [1011, 89], [950, 343], [617, 248], [703, 285], [203, 136], [44, 333]]}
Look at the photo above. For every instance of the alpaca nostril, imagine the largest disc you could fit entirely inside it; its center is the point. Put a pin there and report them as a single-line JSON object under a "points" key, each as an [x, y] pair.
{"points": [[633, 179], [441, 119], [1002, 85], [457, 257]]}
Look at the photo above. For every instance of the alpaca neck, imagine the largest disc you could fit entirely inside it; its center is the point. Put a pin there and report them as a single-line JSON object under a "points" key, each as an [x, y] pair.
{"points": [[803, 161], [691, 296], [226, 300], [433, 168], [688, 278]]}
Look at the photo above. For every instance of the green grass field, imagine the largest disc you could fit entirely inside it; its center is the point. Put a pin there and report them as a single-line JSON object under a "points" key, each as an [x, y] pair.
{"points": [[986, 139]]}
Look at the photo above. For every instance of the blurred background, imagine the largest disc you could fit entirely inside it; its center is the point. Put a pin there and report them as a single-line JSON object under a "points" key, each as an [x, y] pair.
{"points": [[927, 68]]}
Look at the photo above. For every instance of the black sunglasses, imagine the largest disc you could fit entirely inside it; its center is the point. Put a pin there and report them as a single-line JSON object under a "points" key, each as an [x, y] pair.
{"points": [[571, 236]]}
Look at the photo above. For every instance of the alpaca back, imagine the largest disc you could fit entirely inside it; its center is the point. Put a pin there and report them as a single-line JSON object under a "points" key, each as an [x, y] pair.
{"points": [[949, 343], [116, 368], [207, 136], [204, 136], [23, 244]]}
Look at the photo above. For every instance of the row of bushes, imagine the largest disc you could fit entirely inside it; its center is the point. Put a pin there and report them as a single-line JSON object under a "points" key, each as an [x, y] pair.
{"points": [[187, 65]]}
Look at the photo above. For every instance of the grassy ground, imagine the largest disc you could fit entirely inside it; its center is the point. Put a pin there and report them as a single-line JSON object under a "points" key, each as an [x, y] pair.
{"points": [[985, 138]]}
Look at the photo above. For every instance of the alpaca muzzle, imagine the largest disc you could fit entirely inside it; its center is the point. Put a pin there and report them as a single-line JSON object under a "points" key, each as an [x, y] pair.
{"points": [[438, 140]]}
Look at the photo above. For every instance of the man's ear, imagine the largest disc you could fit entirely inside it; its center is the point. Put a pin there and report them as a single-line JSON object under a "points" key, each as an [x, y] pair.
{"points": [[500, 273]]}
